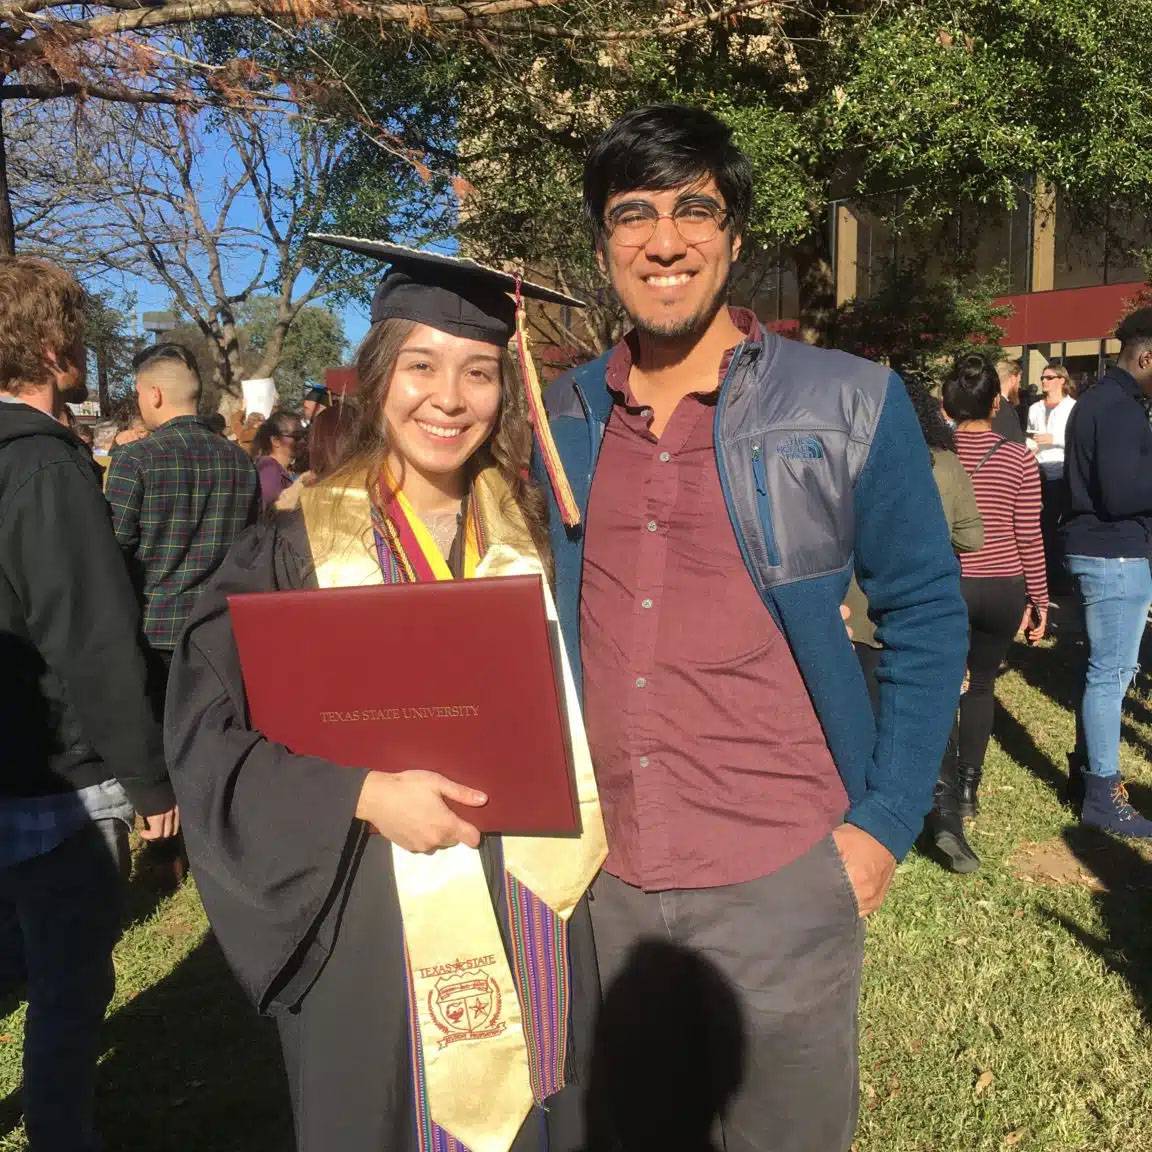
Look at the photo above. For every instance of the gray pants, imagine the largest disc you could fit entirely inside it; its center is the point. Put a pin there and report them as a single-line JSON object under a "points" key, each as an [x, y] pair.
{"points": [[729, 1017], [66, 908]]}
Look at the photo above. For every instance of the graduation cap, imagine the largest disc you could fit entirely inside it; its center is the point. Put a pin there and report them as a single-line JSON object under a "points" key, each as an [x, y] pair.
{"points": [[451, 293], [464, 298]]}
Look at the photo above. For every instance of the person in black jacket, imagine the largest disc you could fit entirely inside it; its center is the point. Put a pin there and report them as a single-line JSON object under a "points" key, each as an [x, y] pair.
{"points": [[1107, 531], [1006, 416], [79, 748]]}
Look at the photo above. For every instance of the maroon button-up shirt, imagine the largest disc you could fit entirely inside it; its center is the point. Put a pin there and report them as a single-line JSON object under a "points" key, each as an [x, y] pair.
{"points": [[711, 763]]}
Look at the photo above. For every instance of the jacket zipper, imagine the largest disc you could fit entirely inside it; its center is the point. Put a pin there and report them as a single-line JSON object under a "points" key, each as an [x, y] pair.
{"points": [[762, 505], [595, 433], [722, 468]]}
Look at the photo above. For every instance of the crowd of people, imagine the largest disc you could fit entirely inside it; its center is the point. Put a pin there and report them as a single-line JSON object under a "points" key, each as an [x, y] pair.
{"points": [[786, 582]]}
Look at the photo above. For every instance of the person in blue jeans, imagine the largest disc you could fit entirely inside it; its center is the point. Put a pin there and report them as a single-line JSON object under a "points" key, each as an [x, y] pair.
{"points": [[79, 745], [1106, 531]]}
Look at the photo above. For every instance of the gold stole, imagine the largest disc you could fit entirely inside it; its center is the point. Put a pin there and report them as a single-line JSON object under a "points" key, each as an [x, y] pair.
{"points": [[468, 1013]]}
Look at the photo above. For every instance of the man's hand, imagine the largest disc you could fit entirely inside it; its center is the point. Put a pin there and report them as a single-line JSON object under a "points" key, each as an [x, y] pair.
{"points": [[846, 616], [870, 866], [409, 809], [1044, 439], [162, 826]]}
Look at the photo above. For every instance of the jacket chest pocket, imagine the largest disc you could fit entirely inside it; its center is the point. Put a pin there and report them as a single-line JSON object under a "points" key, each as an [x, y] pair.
{"points": [[803, 498]]}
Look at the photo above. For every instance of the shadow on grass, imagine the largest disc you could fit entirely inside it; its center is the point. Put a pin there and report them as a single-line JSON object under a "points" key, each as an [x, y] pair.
{"points": [[1061, 685], [1056, 671], [1018, 744], [189, 1064], [1125, 907]]}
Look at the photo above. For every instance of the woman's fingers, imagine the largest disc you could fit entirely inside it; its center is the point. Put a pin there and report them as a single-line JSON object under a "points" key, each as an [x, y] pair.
{"points": [[461, 793]]}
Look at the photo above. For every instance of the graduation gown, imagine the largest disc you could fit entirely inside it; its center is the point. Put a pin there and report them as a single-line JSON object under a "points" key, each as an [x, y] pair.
{"points": [[303, 899]]}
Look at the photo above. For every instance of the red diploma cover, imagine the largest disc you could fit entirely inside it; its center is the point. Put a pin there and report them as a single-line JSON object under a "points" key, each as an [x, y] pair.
{"points": [[459, 677]]}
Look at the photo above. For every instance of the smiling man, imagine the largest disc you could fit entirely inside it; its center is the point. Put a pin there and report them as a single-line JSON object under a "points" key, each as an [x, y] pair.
{"points": [[730, 483]]}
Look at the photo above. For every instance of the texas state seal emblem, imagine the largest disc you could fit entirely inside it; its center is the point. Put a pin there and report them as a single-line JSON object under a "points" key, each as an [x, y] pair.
{"points": [[466, 1006]]}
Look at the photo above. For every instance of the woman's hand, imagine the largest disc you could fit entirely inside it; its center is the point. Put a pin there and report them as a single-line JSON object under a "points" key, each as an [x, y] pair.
{"points": [[1035, 623], [408, 808], [289, 499]]}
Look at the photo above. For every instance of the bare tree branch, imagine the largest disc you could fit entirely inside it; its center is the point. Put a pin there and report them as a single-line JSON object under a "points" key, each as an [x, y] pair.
{"points": [[168, 15]]}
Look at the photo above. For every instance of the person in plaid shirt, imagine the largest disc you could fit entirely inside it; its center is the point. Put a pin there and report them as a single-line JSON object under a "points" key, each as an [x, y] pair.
{"points": [[179, 498]]}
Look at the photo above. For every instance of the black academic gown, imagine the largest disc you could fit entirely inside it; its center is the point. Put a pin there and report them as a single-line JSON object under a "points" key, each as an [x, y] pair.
{"points": [[303, 900]]}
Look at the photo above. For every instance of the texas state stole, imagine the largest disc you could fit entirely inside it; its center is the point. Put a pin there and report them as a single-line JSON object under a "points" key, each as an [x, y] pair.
{"points": [[488, 1024]]}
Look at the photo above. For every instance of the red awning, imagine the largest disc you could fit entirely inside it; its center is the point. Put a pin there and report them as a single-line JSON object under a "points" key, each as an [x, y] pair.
{"points": [[1067, 314]]}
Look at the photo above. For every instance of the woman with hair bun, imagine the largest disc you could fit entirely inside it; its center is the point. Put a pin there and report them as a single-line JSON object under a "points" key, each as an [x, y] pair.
{"points": [[1003, 583]]}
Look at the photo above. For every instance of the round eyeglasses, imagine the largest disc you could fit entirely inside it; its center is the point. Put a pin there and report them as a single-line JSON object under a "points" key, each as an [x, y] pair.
{"points": [[697, 221]]}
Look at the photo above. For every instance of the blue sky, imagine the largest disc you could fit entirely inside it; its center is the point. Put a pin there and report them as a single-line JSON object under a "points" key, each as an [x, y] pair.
{"points": [[153, 296]]}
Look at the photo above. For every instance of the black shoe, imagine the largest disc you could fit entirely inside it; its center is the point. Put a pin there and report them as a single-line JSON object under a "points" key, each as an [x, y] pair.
{"points": [[946, 825], [967, 788], [956, 848]]}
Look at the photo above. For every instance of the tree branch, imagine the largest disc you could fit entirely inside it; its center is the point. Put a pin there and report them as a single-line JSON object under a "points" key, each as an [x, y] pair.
{"points": [[170, 15], [716, 15]]}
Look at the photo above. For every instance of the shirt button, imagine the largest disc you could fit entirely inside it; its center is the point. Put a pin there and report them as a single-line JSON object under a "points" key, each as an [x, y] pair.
{"points": [[665, 457], [645, 603], [641, 682], [651, 525], [643, 761]]}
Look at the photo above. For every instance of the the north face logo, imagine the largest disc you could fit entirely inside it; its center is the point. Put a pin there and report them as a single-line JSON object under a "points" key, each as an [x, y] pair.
{"points": [[800, 447]]}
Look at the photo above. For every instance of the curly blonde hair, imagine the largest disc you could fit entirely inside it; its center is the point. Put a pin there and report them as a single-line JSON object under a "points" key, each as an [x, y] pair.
{"points": [[509, 447], [41, 311]]}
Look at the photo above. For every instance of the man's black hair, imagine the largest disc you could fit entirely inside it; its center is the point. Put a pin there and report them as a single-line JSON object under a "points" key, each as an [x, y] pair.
{"points": [[319, 395], [1135, 328], [155, 353], [665, 146], [971, 388]]}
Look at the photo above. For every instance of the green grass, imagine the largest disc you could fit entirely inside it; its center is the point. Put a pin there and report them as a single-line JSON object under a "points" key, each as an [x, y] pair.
{"points": [[1000, 1011]]}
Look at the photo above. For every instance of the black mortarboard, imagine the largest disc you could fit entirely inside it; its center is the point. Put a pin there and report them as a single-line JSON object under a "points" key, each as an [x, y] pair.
{"points": [[451, 293]]}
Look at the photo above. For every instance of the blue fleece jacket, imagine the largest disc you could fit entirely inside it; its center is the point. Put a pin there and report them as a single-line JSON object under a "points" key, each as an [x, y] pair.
{"points": [[863, 499]]}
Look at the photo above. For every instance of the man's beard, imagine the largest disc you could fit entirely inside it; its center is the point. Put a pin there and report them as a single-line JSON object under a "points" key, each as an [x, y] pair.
{"points": [[74, 394], [677, 330]]}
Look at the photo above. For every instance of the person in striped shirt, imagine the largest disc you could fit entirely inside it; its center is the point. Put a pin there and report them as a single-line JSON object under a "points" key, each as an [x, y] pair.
{"points": [[1004, 583]]}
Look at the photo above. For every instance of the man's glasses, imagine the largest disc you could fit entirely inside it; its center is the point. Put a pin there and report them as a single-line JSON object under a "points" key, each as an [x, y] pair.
{"points": [[697, 221], [1051, 377], [291, 435]]}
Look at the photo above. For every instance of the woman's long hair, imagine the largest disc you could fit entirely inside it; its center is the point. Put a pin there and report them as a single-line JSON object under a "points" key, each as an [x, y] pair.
{"points": [[509, 447]]}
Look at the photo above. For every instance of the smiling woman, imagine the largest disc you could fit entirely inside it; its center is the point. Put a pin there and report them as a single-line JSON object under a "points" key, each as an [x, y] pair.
{"points": [[432, 400], [369, 948]]}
